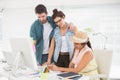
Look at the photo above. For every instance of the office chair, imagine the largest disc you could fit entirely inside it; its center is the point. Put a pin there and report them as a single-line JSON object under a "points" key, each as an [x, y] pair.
{"points": [[103, 59]]}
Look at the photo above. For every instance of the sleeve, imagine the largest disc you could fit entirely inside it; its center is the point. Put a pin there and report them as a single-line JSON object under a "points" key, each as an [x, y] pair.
{"points": [[33, 32], [55, 32]]}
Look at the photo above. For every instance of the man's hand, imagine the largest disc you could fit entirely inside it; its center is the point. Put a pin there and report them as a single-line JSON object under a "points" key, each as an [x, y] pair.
{"points": [[72, 27]]}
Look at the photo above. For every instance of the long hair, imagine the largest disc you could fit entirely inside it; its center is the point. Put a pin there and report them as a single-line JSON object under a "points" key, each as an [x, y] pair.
{"points": [[88, 44]]}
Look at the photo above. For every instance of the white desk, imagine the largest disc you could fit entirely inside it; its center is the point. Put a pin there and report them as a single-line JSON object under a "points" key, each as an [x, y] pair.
{"points": [[6, 75]]}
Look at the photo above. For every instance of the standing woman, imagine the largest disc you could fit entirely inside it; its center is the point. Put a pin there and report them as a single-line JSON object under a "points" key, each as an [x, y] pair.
{"points": [[61, 45]]}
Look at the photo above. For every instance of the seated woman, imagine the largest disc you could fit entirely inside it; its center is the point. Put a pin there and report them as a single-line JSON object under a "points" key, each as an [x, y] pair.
{"points": [[83, 61]]}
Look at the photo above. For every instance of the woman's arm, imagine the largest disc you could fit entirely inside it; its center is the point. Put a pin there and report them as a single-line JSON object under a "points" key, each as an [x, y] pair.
{"points": [[88, 56], [50, 51], [82, 64], [71, 65]]}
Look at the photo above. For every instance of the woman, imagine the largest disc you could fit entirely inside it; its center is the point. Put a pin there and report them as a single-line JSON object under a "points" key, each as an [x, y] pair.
{"points": [[83, 61], [61, 45]]}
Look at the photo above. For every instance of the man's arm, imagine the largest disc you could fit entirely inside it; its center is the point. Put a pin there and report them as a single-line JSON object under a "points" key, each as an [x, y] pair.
{"points": [[34, 42], [33, 36]]}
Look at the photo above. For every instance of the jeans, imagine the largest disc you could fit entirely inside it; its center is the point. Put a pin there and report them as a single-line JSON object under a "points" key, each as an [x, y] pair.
{"points": [[44, 59]]}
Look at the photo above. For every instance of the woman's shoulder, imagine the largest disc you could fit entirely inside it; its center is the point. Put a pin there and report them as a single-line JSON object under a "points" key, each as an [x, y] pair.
{"points": [[87, 49], [56, 30]]}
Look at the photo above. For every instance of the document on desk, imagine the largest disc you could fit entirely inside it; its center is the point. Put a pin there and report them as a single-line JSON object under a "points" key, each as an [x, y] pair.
{"points": [[70, 75]]}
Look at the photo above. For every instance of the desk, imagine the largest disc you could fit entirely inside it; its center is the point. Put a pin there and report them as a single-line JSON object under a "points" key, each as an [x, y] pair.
{"points": [[5, 75]]}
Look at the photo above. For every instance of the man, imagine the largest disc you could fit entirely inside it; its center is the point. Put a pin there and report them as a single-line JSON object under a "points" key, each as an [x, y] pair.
{"points": [[41, 32]]}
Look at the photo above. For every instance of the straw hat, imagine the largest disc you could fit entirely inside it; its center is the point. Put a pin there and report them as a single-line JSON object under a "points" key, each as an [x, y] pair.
{"points": [[80, 37]]}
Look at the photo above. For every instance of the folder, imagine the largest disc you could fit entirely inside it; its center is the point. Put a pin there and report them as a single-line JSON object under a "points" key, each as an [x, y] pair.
{"points": [[70, 75]]}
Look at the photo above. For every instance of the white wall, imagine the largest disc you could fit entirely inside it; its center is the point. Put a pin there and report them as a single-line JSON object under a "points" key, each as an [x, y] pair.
{"points": [[16, 22]]}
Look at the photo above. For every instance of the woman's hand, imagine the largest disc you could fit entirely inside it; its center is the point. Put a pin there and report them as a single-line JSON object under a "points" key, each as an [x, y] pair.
{"points": [[71, 65], [53, 67], [46, 63]]}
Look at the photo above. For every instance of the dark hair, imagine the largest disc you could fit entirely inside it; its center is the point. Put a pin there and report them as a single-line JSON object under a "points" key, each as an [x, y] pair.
{"points": [[57, 13], [88, 44], [40, 9]]}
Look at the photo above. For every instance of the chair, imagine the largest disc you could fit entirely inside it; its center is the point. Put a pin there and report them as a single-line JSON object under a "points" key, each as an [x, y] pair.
{"points": [[103, 59]]}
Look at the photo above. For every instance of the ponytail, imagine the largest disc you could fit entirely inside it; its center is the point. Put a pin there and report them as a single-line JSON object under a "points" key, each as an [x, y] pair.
{"points": [[89, 44]]}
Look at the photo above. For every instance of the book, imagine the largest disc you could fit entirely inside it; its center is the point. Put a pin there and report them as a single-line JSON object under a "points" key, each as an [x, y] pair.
{"points": [[70, 75]]}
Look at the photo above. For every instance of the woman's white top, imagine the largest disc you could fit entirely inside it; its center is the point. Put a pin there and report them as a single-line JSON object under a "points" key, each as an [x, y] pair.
{"points": [[64, 47]]}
